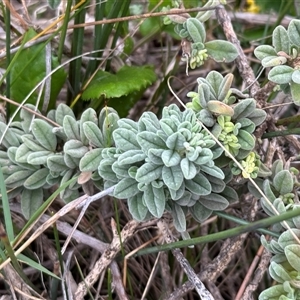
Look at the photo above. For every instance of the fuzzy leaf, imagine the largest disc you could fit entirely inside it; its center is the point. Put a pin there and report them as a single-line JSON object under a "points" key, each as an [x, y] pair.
{"points": [[10, 139], [148, 172], [188, 168], [89, 115], [296, 76], [38, 157], [230, 194], [136, 207], [244, 108], [75, 148], [62, 111], [22, 154], [214, 202], [17, 179], [171, 158], [125, 139], [292, 253], [31, 200], [199, 185], [42, 131], [110, 124], [280, 40], [287, 238], [37, 179], [149, 140], [215, 79], [199, 212], [274, 292], [281, 74], [128, 79], [196, 30], [246, 140], [93, 134], [257, 116], [283, 182], [175, 141], [295, 91], [56, 163], [225, 87], [126, 188], [278, 273], [213, 171], [264, 51], [273, 61], [178, 217], [155, 201], [106, 172], [172, 177], [221, 51], [31, 143], [91, 160], [131, 156], [294, 32], [71, 128], [220, 108]]}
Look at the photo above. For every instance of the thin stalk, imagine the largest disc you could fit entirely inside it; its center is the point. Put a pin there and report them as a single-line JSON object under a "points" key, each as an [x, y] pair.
{"points": [[8, 57], [223, 234], [281, 133], [288, 121], [64, 29]]}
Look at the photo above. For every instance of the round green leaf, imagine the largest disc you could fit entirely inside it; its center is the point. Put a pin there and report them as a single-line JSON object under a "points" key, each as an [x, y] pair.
{"points": [[91, 160], [281, 74], [214, 202], [199, 185], [148, 172], [264, 51], [280, 40], [17, 179], [37, 179], [221, 51], [136, 207], [283, 182], [75, 148], [93, 134], [294, 32], [126, 188], [172, 177], [31, 200], [171, 158], [199, 212]]}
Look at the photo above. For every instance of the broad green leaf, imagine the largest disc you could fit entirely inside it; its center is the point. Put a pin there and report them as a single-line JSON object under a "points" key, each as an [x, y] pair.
{"points": [[281, 74], [219, 108], [56, 163], [37, 179], [42, 131], [273, 292], [287, 238], [280, 40], [214, 202], [283, 182], [213, 171], [172, 177], [125, 139], [294, 32], [91, 160], [126, 188], [31, 200], [221, 51], [295, 91], [71, 128], [124, 170], [215, 79], [199, 185], [257, 116], [278, 272], [244, 108], [10, 169], [30, 68], [154, 199], [136, 207], [264, 51], [128, 79], [148, 172]]}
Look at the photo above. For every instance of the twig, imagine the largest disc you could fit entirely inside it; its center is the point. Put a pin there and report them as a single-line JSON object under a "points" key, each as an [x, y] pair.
{"points": [[106, 258], [241, 61], [192, 276]]}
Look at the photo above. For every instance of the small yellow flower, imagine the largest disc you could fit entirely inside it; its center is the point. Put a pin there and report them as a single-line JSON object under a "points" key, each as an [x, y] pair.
{"points": [[252, 7]]}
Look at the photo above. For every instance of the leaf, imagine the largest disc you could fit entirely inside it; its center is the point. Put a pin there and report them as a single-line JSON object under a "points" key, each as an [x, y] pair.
{"points": [[37, 179], [179, 219], [56, 163], [172, 177], [294, 32], [125, 139], [214, 202], [17, 179], [90, 161], [131, 156], [31, 200], [93, 134], [128, 79], [280, 40], [105, 170], [199, 185], [199, 212], [244, 108], [281, 74], [230, 194], [224, 87], [257, 116], [295, 91], [175, 141], [273, 292], [196, 30], [221, 51], [278, 273], [42, 131], [283, 182], [150, 140], [148, 172], [264, 51], [71, 128], [220, 108], [171, 158], [296, 76], [292, 253], [155, 200], [31, 143], [29, 69], [213, 171], [136, 207], [188, 168], [75, 148], [126, 188], [53, 4], [39, 157], [62, 111], [215, 79], [10, 139], [246, 140], [22, 154]]}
